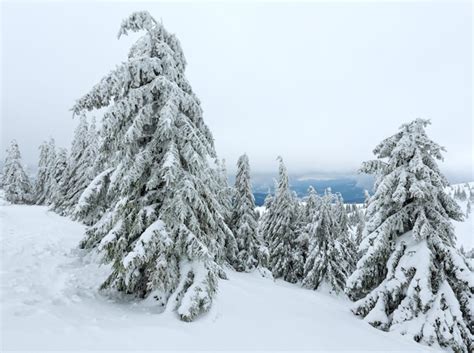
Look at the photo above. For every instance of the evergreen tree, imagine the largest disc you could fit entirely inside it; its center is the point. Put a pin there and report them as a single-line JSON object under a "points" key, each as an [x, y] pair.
{"points": [[44, 182], [304, 220], [244, 221], [347, 243], [58, 169], [263, 219], [42, 176], [360, 225], [163, 228], [329, 259], [15, 181], [79, 171], [312, 203], [411, 278], [224, 194], [281, 230]]}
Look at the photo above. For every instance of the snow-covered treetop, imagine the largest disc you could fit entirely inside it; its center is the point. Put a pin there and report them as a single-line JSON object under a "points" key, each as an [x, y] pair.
{"points": [[283, 181], [242, 183], [137, 21], [410, 147], [157, 43], [13, 152], [153, 75], [409, 182]]}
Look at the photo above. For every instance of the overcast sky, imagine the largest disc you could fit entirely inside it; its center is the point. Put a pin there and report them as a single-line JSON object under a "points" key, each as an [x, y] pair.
{"points": [[318, 83]]}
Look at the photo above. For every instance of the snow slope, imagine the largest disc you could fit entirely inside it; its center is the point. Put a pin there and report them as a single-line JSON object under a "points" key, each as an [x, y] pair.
{"points": [[49, 301]]}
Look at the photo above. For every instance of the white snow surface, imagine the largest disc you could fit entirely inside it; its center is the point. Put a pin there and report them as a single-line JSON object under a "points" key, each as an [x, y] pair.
{"points": [[50, 301]]}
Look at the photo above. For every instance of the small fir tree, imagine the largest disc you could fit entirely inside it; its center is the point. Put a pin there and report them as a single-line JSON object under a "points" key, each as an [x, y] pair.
{"points": [[16, 183], [79, 171], [44, 185], [281, 230], [59, 167], [328, 261], [244, 221]]}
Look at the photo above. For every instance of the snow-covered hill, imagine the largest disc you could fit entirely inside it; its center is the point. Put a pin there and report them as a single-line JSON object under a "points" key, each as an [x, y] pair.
{"points": [[49, 301]]}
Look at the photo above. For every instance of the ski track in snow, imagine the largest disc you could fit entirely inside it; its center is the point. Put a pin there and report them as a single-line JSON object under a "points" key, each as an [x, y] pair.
{"points": [[50, 301]]}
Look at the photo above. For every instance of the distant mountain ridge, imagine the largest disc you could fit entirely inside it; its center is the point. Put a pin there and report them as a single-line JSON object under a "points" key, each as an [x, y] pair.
{"points": [[352, 188]]}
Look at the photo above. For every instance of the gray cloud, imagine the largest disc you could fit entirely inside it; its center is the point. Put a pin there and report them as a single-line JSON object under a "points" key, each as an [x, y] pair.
{"points": [[319, 83]]}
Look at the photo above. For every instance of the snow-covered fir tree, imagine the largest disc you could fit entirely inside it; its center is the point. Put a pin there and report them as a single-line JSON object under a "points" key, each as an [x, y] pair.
{"points": [[224, 194], [355, 215], [225, 191], [79, 171], [59, 167], [329, 258], [244, 221], [42, 176], [344, 239], [16, 183], [307, 212], [163, 228], [44, 185], [262, 220], [359, 230], [411, 278], [312, 203], [462, 194], [281, 230]]}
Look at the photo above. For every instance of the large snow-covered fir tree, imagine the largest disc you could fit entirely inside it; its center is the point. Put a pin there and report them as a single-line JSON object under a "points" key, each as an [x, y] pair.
{"points": [[280, 230], [411, 278], [244, 221], [44, 185], [16, 183], [79, 171], [330, 258], [163, 227]]}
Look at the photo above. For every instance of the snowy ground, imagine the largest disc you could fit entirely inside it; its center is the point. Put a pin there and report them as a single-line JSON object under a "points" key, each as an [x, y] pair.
{"points": [[49, 301]]}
